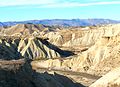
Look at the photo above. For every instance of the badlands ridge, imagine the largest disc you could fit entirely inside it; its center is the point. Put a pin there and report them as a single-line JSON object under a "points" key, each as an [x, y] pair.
{"points": [[80, 56]]}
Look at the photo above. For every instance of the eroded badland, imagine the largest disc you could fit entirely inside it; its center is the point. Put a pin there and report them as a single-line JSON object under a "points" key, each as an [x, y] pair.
{"points": [[43, 56]]}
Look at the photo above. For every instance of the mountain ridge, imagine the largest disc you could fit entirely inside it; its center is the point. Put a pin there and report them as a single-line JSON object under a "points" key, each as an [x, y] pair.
{"points": [[63, 22]]}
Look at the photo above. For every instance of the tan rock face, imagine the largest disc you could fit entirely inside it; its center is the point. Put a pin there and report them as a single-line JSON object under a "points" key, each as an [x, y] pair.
{"points": [[28, 47], [24, 29], [55, 38], [34, 48], [103, 56], [79, 36], [111, 79], [89, 37], [99, 59], [101, 53]]}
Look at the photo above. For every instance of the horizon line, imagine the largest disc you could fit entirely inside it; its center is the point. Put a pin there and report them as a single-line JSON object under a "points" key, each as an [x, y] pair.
{"points": [[62, 19]]}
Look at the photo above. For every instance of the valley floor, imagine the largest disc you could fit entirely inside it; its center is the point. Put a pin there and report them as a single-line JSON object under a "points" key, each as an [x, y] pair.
{"points": [[77, 77]]}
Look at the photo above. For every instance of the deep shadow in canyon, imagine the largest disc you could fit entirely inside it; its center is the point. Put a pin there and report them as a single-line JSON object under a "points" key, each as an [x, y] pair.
{"points": [[63, 53], [19, 73]]}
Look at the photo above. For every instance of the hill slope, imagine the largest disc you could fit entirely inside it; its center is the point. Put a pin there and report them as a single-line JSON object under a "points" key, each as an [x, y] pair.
{"points": [[31, 48]]}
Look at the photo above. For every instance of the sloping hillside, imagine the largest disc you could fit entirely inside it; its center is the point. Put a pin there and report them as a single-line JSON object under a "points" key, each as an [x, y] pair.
{"points": [[99, 52], [19, 73], [24, 29], [99, 59], [31, 47], [111, 79]]}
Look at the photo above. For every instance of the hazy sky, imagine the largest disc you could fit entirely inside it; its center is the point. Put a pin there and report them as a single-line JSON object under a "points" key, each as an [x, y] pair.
{"points": [[17, 10]]}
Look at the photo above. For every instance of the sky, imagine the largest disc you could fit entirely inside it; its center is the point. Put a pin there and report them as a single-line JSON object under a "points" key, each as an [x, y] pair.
{"points": [[21, 10]]}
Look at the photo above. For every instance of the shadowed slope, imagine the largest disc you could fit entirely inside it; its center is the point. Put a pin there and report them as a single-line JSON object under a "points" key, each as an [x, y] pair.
{"points": [[18, 73], [31, 48]]}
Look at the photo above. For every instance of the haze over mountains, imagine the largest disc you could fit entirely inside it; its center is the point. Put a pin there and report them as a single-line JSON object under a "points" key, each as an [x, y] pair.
{"points": [[63, 22]]}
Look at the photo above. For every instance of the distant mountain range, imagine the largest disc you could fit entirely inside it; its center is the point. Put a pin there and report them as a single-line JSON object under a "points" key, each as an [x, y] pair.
{"points": [[63, 22]]}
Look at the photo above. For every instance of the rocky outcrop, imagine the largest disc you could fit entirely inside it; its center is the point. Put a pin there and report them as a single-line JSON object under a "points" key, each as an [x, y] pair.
{"points": [[81, 36], [55, 38], [103, 56], [31, 48], [111, 79], [15, 73], [19, 73], [100, 56], [60, 37], [8, 48], [24, 29], [99, 59], [68, 37], [37, 48], [91, 36]]}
